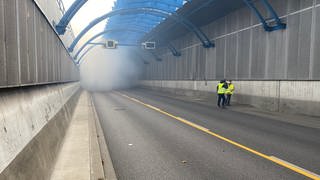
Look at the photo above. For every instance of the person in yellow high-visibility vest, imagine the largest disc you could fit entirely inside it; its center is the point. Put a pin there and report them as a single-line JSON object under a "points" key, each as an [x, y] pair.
{"points": [[221, 90], [229, 92]]}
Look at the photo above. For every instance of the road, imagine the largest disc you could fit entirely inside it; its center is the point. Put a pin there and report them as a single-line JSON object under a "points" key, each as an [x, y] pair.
{"points": [[152, 136]]}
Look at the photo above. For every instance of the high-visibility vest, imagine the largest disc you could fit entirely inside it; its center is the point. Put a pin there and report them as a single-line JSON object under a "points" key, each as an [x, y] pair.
{"points": [[230, 89], [221, 89]]}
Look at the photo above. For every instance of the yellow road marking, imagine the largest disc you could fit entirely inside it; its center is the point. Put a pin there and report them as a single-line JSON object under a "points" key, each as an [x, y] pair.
{"points": [[203, 129]]}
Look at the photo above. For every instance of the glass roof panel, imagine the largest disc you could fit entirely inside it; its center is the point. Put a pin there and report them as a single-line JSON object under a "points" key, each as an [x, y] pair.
{"points": [[132, 27]]}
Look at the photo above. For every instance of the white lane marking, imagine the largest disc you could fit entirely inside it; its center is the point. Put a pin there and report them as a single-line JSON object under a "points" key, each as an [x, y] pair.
{"points": [[286, 162]]}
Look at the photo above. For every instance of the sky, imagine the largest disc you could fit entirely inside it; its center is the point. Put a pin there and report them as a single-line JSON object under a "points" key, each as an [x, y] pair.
{"points": [[91, 10]]}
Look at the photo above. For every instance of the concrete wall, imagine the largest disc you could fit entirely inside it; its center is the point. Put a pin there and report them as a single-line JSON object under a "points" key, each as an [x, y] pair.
{"points": [[244, 51], [33, 122], [34, 115], [30, 51], [299, 97]]}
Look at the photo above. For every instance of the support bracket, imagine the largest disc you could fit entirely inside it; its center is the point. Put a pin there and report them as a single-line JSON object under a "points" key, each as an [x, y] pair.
{"points": [[266, 21], [66, 18], [173, 50], [156, 57]]}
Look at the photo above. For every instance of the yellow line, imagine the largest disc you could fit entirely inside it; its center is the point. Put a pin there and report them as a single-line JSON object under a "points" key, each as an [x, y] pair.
{"points": [[203, 129]]}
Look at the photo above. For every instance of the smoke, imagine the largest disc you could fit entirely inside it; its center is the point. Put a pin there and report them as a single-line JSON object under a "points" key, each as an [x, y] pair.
{"points": [[108, 69]]}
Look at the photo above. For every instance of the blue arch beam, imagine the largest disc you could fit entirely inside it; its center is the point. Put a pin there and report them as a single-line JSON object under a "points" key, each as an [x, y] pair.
{"points": [[66, 18], [267, 26], [84, 54], [173, 50], [155, 56], [157, 12]]}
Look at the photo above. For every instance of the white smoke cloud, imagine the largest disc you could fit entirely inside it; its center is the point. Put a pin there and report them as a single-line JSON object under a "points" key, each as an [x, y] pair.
{"points": [[107, 69]]}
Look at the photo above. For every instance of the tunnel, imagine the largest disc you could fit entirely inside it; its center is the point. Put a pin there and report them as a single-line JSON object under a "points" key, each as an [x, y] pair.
{"points": [[159, 89]]}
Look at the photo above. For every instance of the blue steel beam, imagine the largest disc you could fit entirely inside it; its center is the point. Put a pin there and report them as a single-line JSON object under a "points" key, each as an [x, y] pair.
{"points": [[165, 5], [132, 19], [173, 50], [130, 25], [140, 56], [96, 43], [157, 58], [84, 54], [272, 11], [202, 37], [279, 25], [172, 4], [100, 34], [113, 13], [207, 3], [66, 18], [170, 46], [159, 3], [143, 24], [129, 38]]}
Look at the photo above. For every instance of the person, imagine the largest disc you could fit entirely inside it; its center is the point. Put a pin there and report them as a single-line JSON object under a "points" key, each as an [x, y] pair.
{"points": [[229, 92], [221, 90]]}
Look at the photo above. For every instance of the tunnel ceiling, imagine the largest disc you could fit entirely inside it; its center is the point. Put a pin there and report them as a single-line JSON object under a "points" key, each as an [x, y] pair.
{"points": [[199, 12], [130, 28]]}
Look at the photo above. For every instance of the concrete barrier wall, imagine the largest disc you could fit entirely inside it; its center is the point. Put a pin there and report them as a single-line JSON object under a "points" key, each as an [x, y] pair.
{"points": [[300, 97], [30, 50], [33, 121]]}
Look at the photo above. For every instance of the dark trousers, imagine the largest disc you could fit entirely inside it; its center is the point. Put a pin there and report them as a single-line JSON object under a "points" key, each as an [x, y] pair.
{"points": [[228, 99], [223, 98]]}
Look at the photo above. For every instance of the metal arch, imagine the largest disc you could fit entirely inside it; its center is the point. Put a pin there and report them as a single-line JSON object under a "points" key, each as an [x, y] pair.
{"points": [[171, 5], [110, 14], [66, 18], [155, 56], [140, 3], [173, 50], [145, 62], [130, 25], [192, 12], [171, 47], [92, 43], [131, 21], [100, 34], [202, 37], [84, 54], [135, 17], [279, 24], [76, 6]]}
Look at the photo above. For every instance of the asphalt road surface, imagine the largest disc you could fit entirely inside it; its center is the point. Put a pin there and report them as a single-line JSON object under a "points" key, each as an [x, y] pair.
{"points": [[152, 136]]}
